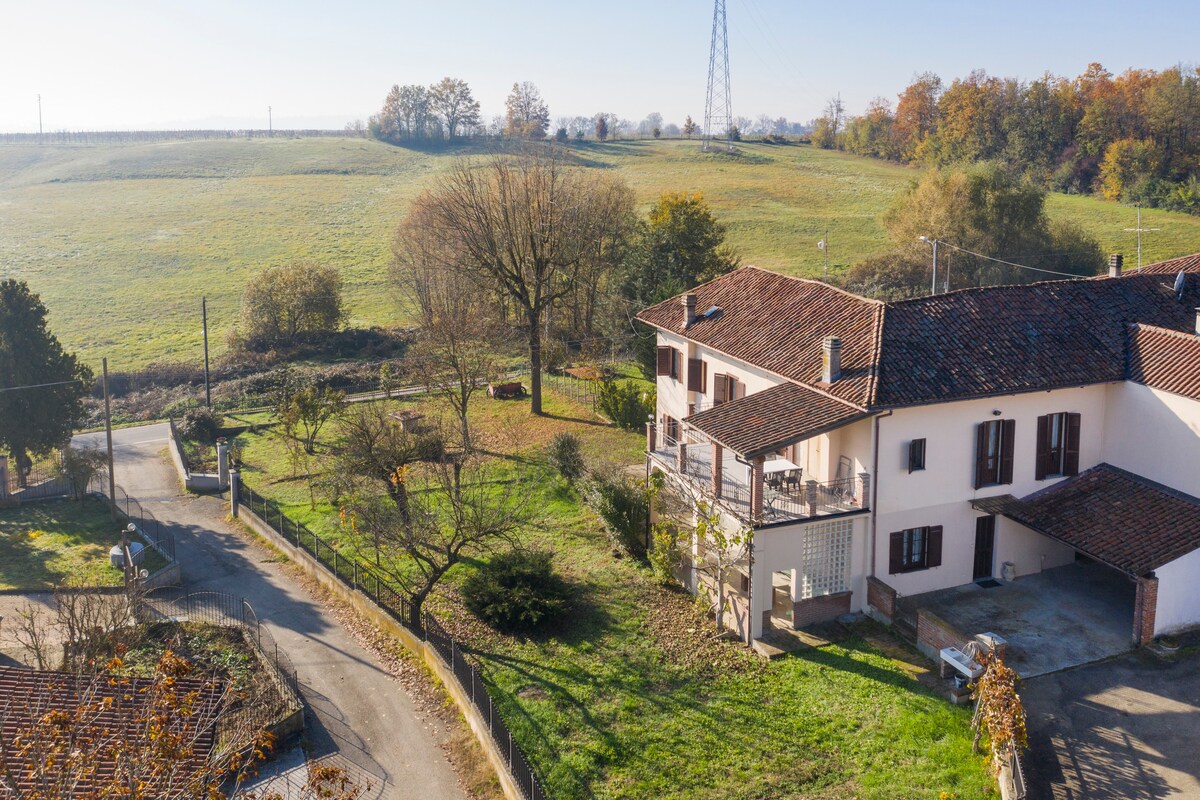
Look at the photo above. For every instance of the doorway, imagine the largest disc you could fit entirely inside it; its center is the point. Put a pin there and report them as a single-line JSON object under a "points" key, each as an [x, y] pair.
{"points": [[985, 544]]}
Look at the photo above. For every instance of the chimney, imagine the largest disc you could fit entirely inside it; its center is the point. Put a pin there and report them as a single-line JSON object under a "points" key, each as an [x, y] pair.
{"points": [[831, 359], [1197, 333], [689, 309], [1114, 265]]}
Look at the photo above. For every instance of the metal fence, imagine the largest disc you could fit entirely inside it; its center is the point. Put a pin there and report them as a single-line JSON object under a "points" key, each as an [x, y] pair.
{"points": [[362, 578], [152, 530]]}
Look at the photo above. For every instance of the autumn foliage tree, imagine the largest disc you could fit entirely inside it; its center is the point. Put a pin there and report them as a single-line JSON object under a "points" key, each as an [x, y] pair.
{"points": [[999, 713], [284, 305]]}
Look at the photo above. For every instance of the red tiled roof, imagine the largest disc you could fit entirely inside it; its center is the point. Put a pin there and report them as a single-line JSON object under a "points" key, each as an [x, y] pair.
{"points": [[1114, 516], [968, 343], [772, 418], [26, 694], [1029, 337], [778, 323], [1165, 359]]}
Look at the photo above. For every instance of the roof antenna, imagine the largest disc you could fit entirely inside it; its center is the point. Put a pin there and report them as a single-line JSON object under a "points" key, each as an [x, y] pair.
{"points": [[1179, 281]]}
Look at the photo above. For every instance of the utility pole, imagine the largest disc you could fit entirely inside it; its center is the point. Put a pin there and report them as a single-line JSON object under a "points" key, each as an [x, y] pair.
{"points": [[112, 480], [718, 111], [39, 117], [933, 242], [823, 246], [270, 123], [204, 319]]}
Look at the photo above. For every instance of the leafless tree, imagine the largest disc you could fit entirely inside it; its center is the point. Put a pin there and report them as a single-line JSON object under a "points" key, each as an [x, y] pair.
{"points": [[452, 101], [524, 227]]}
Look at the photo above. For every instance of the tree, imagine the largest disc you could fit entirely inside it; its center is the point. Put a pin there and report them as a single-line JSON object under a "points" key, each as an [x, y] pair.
{"points": [[916, 114], [452, 101], [454, 350], [690, 128], [282, 305], [527, 114], [34, 421], [720, 551], [457, 510], [79, 466], [652, 122], [523, 229], [601, 126], [311, 408]]}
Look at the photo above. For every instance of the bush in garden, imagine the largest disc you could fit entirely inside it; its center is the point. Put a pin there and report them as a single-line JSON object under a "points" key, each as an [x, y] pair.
{"points": [[623, 504], [200, 425], [566, 456], [516, 591], [625, 403]]}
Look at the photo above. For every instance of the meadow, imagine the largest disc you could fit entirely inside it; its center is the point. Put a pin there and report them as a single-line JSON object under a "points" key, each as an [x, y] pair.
{"points": [[121, 241]]}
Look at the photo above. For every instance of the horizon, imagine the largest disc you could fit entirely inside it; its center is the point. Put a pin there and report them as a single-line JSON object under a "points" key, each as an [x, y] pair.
{"points": [[154, 66]]}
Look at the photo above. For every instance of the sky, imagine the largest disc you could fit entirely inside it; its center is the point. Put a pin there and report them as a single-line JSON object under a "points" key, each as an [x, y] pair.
{"points": [[148, 64]]}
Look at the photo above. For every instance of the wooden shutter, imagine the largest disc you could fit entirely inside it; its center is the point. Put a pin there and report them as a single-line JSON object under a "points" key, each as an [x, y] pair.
{"points": [[1071, 456], [1042, 464], [895, 552], [981, 443], [719, 384], [695, 375], [916, 455], [933, 545], [1008, 438], [664, 361], [738, 389]]}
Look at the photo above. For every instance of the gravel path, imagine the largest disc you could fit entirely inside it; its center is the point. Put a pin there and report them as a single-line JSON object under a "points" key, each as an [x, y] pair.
{"points": [[357, 709]]}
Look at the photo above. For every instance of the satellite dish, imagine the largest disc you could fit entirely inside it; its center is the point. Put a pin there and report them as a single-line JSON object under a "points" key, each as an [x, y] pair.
{"points": [[1179, 281], [821, 245]]}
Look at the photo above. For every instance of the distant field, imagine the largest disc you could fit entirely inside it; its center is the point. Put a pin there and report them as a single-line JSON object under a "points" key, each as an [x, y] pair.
{"points": [[121, 241]]}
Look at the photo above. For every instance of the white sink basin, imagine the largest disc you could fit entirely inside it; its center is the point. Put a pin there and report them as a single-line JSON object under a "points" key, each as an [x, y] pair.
{"points": [[961, 662]]}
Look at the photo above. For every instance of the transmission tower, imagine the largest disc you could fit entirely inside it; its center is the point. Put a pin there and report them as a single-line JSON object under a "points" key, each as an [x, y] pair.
{"points": [[718, 113]]}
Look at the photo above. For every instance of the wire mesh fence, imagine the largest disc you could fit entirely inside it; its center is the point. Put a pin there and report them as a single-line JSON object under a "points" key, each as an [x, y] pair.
{"points": [[369, 582]]}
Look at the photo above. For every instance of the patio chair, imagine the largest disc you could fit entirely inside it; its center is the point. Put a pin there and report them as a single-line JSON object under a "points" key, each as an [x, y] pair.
{"points": [[792, 479]]}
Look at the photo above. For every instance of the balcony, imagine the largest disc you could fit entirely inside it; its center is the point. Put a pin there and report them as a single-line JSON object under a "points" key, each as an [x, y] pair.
{"points": [[785, 497]]}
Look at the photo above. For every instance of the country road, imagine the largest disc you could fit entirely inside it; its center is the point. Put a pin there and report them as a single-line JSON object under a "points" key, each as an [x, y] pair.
{"points": [[357, 709]]}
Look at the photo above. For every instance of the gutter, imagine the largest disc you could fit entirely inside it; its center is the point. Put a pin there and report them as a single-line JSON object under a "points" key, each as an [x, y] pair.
{"points": [[875, 489]]}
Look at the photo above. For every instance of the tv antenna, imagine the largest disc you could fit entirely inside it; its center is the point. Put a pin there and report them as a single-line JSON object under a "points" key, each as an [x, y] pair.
{"points": [[718, 113], [1139, 230]]}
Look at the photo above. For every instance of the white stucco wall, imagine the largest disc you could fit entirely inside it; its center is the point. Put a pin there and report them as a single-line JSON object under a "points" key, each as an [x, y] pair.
{"points": [[941, 493], [1029, 551], [1154, 434], [1178, 594]]}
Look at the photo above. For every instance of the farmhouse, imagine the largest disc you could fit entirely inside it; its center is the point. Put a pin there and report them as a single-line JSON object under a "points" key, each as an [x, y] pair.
{"points": [[1016, 459]]}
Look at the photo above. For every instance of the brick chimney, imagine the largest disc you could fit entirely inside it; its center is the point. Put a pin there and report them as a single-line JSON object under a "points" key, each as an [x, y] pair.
{"points": [[689, 309], [831, 359], [1115, 261]]}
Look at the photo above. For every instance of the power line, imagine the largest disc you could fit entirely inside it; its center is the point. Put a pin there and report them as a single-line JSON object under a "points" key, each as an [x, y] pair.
{"points": [[60, 383], [1010, 263]]}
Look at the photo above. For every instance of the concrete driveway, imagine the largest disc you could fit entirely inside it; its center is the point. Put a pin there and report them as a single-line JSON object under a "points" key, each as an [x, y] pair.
{"points": [[1126, 729], [358, 711]]}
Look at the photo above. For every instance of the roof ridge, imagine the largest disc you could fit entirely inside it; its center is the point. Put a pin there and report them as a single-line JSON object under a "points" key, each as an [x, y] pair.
{"points": [[1149, 328], [800, 279]]}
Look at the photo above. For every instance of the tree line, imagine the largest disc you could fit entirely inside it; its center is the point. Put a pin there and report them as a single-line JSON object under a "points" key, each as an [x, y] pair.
{"points": [[1133, 137]]}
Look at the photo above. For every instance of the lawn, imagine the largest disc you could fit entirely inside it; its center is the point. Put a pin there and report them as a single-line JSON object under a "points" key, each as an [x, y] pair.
{"points": [[150, 228], [633, 697], [49, 544]]}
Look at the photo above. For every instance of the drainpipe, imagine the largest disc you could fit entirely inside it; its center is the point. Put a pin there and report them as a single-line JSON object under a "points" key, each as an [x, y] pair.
{"points": [[875, 488]]}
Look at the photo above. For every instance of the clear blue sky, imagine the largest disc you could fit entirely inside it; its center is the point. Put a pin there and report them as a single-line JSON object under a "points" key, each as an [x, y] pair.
{"points": [[162, 63]]}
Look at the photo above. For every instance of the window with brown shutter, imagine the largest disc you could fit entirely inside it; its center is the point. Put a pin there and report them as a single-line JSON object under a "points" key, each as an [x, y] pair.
{"points": [[1071, 449], [915, 549], [1044, 463], [696, 368], [1058, 445], [916, 455], [676, 363], [994, 442], [720, 383], [664, 360]]}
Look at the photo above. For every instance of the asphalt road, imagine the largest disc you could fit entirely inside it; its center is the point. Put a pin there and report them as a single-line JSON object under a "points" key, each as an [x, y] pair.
{"points": [[357, 710]]}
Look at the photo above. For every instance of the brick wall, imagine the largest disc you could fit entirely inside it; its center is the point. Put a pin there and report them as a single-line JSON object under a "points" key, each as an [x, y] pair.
{"points": [[1144, 608], [881, 598], [820, 609], [934, 633]]}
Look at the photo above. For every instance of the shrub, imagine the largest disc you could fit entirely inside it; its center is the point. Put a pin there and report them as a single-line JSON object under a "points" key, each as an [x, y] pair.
{"points": [[623, 504], [516, 591], [200, 425], [625, 403], [666, 552], [566, 456]]}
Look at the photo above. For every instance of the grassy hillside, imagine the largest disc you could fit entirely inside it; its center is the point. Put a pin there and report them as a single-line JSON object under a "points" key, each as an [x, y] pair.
{"points": [[122, 240]]}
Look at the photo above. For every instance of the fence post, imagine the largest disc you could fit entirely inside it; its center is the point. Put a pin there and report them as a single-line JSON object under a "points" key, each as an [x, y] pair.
{"points": [[234, 500]]}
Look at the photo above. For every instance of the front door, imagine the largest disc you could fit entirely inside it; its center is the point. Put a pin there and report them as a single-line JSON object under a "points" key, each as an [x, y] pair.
{"points": [[985, 541]]}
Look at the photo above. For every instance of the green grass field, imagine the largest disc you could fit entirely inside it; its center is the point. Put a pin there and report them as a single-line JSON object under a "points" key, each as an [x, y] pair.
{"points": [[50, 544], [122, 241], [631, 696]]}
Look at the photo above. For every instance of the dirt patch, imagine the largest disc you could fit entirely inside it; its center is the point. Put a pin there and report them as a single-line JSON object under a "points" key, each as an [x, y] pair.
{"points": [[689, 639]]}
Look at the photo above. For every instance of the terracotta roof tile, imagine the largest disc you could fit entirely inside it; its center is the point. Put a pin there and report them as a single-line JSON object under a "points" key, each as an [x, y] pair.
{"points": [[773, 418], [778, 323], [1186, 263], [1114, 516], [1165, 359]]}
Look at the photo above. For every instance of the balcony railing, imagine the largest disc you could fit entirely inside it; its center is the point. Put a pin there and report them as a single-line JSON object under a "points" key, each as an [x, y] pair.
{"points": [[781, 501]]}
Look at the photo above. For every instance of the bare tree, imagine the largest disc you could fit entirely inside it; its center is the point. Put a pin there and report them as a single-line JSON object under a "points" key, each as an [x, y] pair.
{"points": [[79, 466], [527, 114], [522, 227], [455, 349], [457, 510]]}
